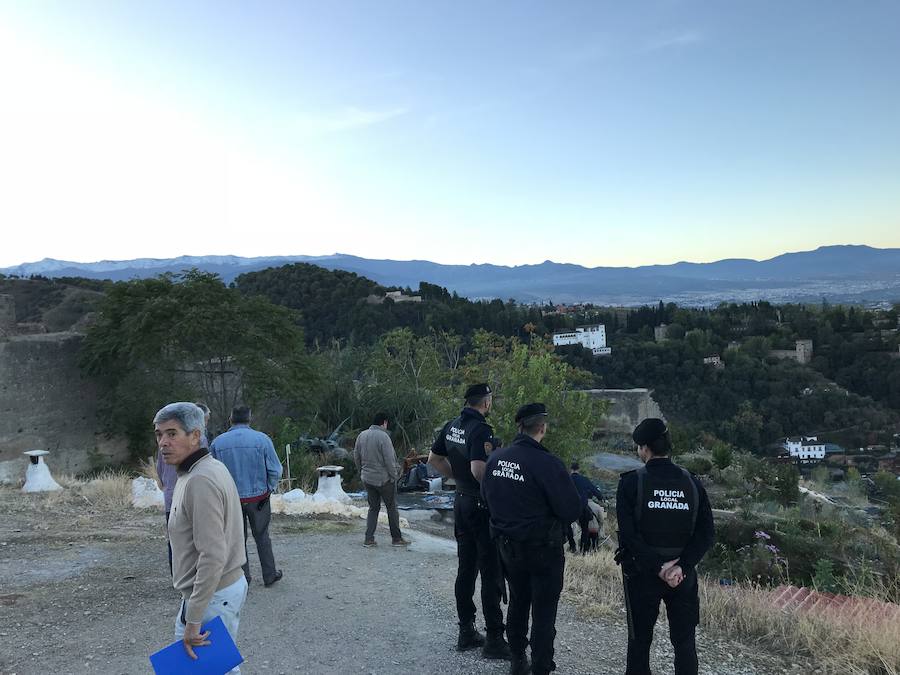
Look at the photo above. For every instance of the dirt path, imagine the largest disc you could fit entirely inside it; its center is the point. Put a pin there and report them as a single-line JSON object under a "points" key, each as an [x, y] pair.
{"points": [[83, 591]]}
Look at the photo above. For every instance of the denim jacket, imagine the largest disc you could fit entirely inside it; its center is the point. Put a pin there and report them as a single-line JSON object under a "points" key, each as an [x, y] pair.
{"points": [[250, 458]]}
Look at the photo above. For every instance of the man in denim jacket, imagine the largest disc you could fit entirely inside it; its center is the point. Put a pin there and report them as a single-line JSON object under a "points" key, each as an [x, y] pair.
{"points": [[252, 462]]}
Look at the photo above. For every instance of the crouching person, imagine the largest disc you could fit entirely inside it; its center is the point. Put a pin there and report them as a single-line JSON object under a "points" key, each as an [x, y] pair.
{"points": [[205, 529]]}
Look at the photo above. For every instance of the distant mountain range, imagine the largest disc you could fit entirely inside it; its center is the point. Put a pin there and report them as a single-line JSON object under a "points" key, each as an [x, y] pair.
{"points": [[852, 274]]}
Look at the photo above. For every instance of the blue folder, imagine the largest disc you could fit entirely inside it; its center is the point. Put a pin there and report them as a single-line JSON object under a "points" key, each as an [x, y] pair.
{"points": [[214, 659]]}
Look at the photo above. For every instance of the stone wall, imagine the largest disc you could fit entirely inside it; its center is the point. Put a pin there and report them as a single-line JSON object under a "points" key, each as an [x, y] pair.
{"points": [[47, 404], [629, 406]]}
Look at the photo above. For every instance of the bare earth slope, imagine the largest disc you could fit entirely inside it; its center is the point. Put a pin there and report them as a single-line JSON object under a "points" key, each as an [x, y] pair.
{"points": [[83, 590]]}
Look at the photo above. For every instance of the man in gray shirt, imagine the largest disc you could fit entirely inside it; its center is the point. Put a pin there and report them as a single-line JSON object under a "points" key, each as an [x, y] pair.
{"points": [[377, 463]]}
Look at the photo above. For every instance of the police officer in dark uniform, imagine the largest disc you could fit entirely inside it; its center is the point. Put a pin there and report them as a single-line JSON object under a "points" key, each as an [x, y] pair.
{"points": [[461, 450], [586, 490], [531, 498], [665, 528]]}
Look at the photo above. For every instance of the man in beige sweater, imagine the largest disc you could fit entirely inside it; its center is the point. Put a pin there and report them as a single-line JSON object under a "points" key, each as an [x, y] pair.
{"points": [[205, 529]]}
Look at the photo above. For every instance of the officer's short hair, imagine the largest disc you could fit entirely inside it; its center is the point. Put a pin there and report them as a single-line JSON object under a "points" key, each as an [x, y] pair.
{"points": [[531, 425], [476, 401], [240, 414]]}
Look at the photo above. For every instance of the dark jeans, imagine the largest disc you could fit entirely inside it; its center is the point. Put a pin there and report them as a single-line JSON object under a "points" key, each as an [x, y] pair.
{"points": [[477, 554], [388, 494], [584, 521], [683, 610], [259, 515], [585, 543], [535, 576]]}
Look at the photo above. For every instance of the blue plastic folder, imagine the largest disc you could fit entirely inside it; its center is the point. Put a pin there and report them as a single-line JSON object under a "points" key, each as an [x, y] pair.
{"points": [[214, 659]]}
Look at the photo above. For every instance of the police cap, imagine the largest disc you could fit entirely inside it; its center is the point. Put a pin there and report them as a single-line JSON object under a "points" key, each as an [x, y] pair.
{"points": [[649, 430], [527, 412], [477, 390]]}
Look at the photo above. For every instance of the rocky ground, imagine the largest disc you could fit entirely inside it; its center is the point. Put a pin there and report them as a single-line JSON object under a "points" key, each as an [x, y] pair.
{"points": [[85, 589]]}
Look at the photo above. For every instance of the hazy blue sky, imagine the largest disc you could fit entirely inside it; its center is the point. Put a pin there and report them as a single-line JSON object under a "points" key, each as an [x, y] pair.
{"points": [[600, 133]]}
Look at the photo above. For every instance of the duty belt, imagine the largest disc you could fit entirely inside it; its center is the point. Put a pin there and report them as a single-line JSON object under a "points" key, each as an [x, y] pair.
{"points": [[468, 492]]}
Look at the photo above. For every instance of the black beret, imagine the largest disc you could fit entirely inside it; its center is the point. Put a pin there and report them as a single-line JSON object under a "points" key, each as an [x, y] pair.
{"points": [[477, 390], [649, 430], [530, 410]]}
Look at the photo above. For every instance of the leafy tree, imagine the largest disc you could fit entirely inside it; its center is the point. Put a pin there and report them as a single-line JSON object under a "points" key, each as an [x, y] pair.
{"points": [[787, 484], [405, 378], [157, 340], [526, 373], [887, 485]]}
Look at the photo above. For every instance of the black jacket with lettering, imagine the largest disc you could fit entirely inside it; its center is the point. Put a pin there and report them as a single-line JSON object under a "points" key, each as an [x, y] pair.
{"points": [[664, 522], [465, 439], [529, 493]]}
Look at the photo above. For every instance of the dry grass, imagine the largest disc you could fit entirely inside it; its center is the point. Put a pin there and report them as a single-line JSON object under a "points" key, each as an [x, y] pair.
{"points": [[110, 489], [147, 469], [743, 612], [594, 583]]}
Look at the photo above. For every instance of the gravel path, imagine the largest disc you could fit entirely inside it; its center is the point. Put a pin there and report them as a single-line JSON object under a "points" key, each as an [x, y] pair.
{"points": [[90, 594]]}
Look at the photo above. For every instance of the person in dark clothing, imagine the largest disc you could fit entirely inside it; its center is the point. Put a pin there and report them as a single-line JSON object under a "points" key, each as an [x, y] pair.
{"points": [[586, 490], [665, 529], [460, 451], [531, 498]]}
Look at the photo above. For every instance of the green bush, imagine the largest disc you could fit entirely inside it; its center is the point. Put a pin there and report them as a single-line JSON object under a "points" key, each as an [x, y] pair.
{"points": [[823, 578], [696, 464]]}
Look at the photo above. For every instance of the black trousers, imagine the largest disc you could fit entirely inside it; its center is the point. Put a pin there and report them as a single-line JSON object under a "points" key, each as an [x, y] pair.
{"points": [[535, 576], [376, 494], [644, 592], [259, 515], [477, 554]]}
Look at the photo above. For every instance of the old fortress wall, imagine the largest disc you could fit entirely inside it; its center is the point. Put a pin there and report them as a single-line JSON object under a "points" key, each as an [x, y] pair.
{"points": [[47, 404], [628, 407]]}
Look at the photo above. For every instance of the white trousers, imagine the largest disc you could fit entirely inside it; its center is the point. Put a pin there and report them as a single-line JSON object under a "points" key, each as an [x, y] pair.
{"points": [[225, 603]]}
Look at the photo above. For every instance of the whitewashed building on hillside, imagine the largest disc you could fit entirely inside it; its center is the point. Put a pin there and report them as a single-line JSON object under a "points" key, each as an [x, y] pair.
{"points": [[591, 337], [805, 447]]}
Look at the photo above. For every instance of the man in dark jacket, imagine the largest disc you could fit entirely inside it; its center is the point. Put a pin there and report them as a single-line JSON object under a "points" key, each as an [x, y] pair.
{"points": [[531, 498], [586, 490], [665, 528]]}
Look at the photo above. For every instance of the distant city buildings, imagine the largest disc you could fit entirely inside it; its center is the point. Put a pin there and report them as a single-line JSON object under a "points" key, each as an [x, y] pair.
{"points": [[590, 337]]}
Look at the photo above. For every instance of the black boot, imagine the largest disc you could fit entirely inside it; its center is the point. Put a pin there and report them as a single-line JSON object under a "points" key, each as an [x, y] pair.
{"points": [[495, 647], [519, 665], [469, 637]]}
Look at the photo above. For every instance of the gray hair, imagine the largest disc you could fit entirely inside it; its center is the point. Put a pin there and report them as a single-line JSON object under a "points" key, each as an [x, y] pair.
{"points": [[188, 415]]}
